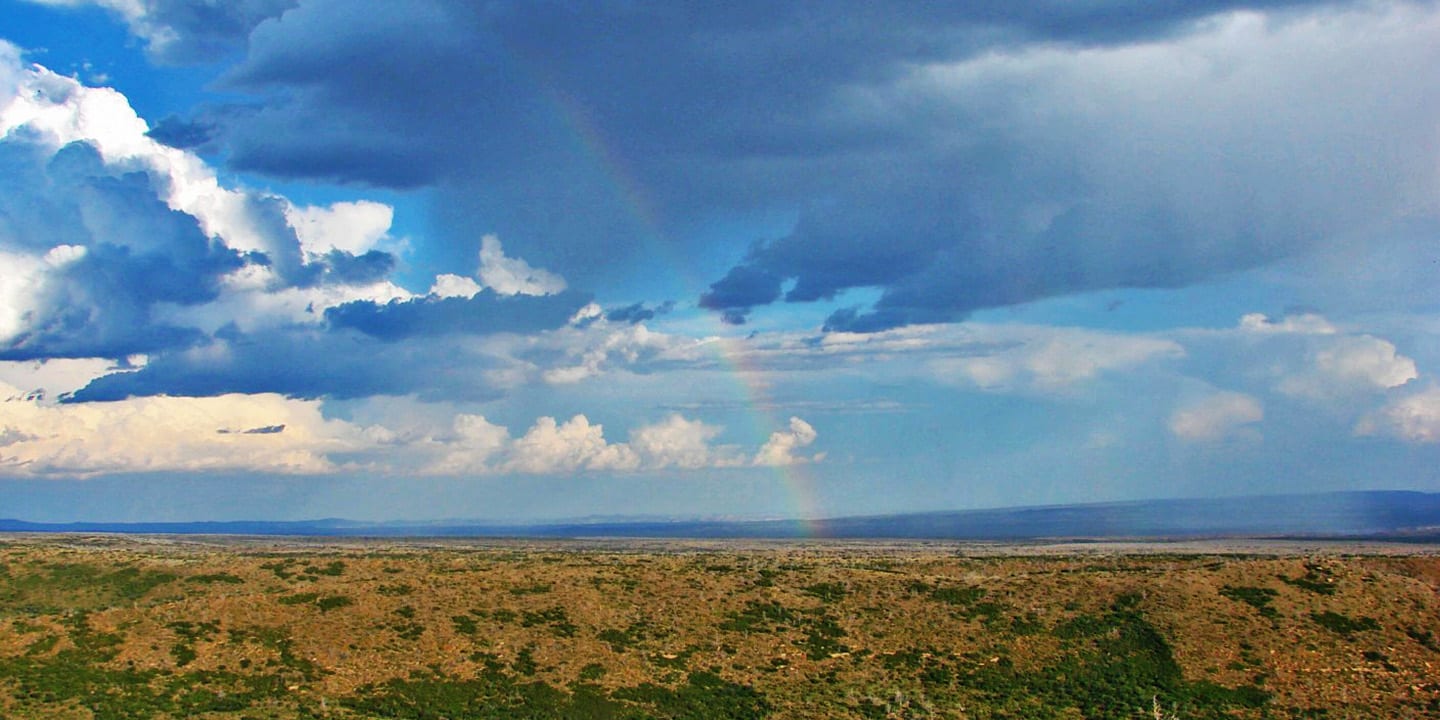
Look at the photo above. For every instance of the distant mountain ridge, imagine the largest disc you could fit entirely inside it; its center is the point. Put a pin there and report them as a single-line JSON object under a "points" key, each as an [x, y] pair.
{"points": [[1403, 515]]}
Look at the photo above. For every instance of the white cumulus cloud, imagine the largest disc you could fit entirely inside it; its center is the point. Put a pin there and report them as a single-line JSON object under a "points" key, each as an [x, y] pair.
{"points": [[513, 276], [263, 433], [679, 442], [155, 201], [1350, 364], [1219, 416], [1414, 418], [454, 286], [781, 447], [354, 227], [576, 444]]}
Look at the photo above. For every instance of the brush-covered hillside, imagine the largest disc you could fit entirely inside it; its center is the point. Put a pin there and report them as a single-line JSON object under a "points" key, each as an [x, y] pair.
{"points": [[158, 629]]}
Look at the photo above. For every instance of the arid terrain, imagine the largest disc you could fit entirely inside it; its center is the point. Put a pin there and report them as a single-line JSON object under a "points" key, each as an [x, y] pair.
{"points": [[134, 627]]}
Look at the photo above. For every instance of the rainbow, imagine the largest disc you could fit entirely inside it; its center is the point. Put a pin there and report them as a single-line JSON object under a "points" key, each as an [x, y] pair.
{"points": [[730, 354]]}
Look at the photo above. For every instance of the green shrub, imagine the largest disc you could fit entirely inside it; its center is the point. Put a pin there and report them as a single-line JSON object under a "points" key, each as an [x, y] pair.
{"points": [[1343, 624], [1256, 597]]}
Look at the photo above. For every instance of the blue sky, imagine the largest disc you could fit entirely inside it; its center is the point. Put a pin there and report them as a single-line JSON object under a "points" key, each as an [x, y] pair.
{"points": [[293, 259]]}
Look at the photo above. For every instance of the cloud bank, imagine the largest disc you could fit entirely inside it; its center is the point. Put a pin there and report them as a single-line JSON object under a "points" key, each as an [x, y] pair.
{"points": [[953, 159], [268, 433], [114, 245]]}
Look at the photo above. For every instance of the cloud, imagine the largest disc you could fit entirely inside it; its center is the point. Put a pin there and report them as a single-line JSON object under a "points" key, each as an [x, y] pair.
{"points": [[1217, 417], [482, 313], [1303, 356], [953, 157], [780, 449], [1048, 170], [587, 353], [992, 357], [1413, 418], [1051, 359], [57, 378], [577, 445], [679, 442], [112, 244], [352, 227], [454, 286], [1303, 324], [550, 447], [638, 312], [513, 276], [185, 31], [1348, 365], [87, 255], [270, 433], [474, 443], [311, 363], [500, 274], [169, 434]]}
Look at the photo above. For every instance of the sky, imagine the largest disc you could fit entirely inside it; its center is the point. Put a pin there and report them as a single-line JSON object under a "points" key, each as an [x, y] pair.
{"points": [[294, 259]]}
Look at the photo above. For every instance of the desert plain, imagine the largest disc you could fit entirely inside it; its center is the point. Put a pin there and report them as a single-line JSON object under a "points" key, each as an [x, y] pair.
{"points": [[117, 627]]}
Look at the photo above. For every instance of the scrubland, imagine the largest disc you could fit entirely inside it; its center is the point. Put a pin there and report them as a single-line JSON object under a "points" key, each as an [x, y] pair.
{"points": [[110, 627]]}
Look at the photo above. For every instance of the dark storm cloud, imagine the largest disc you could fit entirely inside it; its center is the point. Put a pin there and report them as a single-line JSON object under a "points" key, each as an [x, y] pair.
{"points": [[638, 312], [195, 31], [305, 363], [339, 267], [744, 287], [355, 85], [484, 313], [180, 133], [262, 430], [1052, 162], [358, 354]]}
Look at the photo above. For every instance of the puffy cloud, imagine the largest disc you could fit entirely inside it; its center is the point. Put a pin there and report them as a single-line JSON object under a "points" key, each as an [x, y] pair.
{"points": [[1348, 365], [48, 112], [576, 444], [55, 379], [476, 446], [781, 447], [579, 445], [475, 442], [87, 256], [112, 244], [513, 276], [352, 227], [249, 305], [597, 351], [265, 433], [679, 442], [1413, 418], [1216, 417], [500, 274], [454, 286]]}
